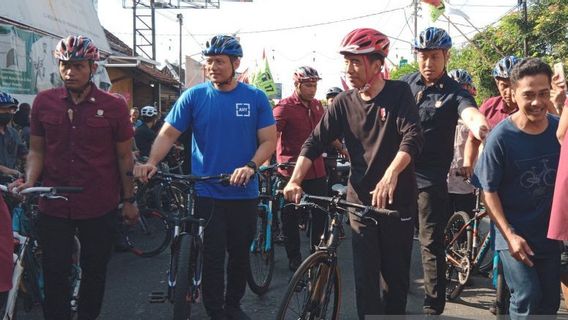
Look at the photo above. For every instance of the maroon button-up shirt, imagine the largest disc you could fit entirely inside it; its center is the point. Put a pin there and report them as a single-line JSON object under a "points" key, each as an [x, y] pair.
{"points": [[80, 149], [295, 122]]}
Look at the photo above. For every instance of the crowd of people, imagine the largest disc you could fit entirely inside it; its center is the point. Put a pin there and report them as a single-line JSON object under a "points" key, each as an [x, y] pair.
{"points": [[411, 144]]}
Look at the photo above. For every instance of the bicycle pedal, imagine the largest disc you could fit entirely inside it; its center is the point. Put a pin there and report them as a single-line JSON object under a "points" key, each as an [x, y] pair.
{"points": [[157, 297]]}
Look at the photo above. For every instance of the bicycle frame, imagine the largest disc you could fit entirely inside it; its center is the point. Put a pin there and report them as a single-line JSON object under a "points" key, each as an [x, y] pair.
{"points": [[16, 276]]}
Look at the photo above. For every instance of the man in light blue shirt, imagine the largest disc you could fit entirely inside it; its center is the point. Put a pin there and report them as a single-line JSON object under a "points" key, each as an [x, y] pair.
{"points": [[233, 132]]}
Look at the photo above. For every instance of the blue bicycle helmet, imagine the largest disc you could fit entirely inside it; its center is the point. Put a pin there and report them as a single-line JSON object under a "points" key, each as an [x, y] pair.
{"points": [[461, 76], [7, 101], [222, 44], [504, 66], [433, 38]]}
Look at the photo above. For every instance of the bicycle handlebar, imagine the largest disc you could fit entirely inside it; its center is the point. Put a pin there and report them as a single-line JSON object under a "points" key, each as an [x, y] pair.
{"points": [[272, 167], [51, 190], [365, 209], [189, 177]]}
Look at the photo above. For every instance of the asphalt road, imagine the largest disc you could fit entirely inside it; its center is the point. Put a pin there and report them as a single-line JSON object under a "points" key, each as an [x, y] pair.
{"points": [[131, 279]]}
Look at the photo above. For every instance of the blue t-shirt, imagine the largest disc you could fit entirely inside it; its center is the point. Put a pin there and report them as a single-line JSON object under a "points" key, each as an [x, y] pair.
{"points": [[521, 168], [224, 126]]}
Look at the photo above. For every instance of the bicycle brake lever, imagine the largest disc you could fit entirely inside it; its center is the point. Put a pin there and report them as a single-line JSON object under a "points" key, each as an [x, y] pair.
{"points": [[52, 197]]}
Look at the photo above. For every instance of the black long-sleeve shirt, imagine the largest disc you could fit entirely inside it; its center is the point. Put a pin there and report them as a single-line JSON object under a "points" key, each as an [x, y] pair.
{"points": [[375, 131]]}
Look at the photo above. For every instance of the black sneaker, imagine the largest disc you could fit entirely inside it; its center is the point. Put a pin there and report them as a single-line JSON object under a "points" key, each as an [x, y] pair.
{"points": [[431, 311]]}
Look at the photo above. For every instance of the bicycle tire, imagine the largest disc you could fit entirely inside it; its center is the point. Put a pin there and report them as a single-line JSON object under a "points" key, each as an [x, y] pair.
{"points": [[456, 277], [185, 261], [151, 235], [502, 295], [304, 279], [261, 265]]}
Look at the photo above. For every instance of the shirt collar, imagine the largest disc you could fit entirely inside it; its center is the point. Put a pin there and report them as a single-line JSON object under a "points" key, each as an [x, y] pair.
{"points": [[295, 99], [91, 98], [441, 83]]}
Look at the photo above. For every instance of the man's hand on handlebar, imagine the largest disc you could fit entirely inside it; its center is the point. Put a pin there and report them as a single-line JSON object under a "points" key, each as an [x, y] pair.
{"points": [[241, 176], [19, 185], [293, 192], [144, 171]]}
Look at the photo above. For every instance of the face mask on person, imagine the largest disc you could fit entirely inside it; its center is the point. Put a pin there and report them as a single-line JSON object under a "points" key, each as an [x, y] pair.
{"points": [[5, 118]]}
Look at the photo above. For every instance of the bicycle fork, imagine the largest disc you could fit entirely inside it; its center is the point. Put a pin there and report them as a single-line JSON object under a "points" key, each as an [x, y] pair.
{"points": [[16, 276]]}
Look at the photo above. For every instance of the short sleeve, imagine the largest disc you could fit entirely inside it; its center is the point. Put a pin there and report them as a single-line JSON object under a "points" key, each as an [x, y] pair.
{"points": [[265, 116], [180, 117], [464, 100], [488, 172], [279, 116]]}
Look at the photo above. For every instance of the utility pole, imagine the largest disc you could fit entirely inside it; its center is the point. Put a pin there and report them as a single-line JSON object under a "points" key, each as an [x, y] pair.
{"points": [[415, 25], [526, 29], [180, 20]]}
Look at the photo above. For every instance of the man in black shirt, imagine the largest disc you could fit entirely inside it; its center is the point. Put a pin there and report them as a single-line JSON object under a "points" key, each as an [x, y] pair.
{"points": [[441, 101], [380, 124], [144, 135]]}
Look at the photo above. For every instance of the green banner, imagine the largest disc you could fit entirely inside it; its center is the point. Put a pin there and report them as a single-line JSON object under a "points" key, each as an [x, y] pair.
{"points": [[27, 65], [263, 80]]}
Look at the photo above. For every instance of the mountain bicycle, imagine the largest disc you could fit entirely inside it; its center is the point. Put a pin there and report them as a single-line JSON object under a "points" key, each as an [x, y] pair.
{"points": [[261, 252], [315, 289], [27, 279], [467, 252], [186, 260]]}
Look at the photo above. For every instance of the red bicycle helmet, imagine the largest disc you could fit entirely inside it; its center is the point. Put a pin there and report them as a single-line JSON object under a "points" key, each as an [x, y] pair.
{"points": [[76, 48], [305, 73], [365, 41]]}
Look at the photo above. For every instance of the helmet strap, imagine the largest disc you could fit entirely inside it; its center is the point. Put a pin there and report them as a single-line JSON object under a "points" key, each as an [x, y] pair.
{"points": [[230, 79], [369, 78]]}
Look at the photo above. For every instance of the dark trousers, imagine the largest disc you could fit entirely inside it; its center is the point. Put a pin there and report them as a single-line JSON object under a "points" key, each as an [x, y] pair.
{"points": [[381, 263], [291, 215], [433, 215], [56, 238], [462, 202], [3, 299], [230, 229]]}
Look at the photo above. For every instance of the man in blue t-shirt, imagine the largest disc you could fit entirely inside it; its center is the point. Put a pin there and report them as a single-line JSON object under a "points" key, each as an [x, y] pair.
{"points": [[516, 171], [233, 131]]}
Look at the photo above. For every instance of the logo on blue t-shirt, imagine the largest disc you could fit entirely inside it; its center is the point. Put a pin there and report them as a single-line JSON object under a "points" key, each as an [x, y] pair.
{"points": [[243, 109]]}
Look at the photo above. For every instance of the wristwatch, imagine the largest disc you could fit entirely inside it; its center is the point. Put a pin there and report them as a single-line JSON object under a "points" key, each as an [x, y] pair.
{"points": [[129, 199], [251, 164]]}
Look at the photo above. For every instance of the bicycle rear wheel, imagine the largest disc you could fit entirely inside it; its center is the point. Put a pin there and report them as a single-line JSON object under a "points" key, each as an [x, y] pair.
{"points": [[261, 256], [151, 235], [314, 288], [184, 292], [458, 273]]}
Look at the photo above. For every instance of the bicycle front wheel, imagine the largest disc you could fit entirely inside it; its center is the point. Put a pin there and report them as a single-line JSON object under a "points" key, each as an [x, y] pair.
{"points": [[457, 274], [261, 256], [314, 291], [184, 292], [151, 235]]}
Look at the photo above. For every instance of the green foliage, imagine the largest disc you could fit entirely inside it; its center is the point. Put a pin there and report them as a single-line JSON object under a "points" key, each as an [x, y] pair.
{"points": [[546, 35], [404, 70]]}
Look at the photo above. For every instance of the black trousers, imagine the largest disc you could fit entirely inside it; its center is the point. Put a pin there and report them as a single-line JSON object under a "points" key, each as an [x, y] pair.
{"points": [[291, 215], [381, 263], [56, 238], [433, 215], [230, 229]]}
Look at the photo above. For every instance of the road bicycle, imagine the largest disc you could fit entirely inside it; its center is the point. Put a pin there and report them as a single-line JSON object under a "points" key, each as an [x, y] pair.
{"points": [[261, 252], [314, 292], [27, 279], [186, 248]]}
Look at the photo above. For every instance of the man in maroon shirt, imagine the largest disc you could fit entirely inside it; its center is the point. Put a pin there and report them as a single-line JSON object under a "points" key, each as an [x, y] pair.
{"points": [[80, 137], [296, 117]]}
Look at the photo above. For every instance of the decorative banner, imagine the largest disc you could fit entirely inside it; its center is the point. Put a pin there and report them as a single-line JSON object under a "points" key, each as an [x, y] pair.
{"points": [[263, 79], [437, 11], [27, 65]]}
